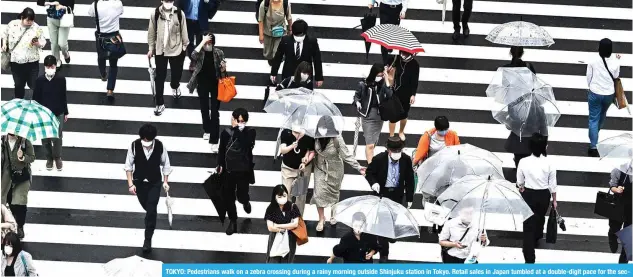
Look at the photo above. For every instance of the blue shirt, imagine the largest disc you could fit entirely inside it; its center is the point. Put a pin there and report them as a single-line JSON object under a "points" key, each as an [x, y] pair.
{"points": [[393, 174], [192, 11]]}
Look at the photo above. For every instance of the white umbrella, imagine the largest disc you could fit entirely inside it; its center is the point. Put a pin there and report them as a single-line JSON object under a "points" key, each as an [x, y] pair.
{"points": [[443, 3], [618, 151], [169, 202], [520, 33], [134, 266]]}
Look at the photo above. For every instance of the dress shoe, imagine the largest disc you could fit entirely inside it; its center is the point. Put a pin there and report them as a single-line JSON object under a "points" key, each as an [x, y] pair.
{"points": [[247, 207], [232, 228], [147, 246], [466, 30], [456, 35]]}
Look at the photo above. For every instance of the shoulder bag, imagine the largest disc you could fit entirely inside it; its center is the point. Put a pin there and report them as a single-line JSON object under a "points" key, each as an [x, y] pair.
{"points": [[17, 176], [619, 100], [301, 232], [108, 46], [608, 204], [6, 55], [68, 19]]}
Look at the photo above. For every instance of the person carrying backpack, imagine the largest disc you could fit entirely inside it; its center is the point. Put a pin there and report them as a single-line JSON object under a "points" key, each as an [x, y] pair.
{"points": [[272, 16], [168, 40], [235, 164]]}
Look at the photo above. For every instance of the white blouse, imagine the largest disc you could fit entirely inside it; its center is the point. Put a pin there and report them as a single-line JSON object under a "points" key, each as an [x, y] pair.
{"points": [[24, 52]]}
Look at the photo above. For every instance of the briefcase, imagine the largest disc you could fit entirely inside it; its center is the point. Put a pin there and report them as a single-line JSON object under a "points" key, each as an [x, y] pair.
{"points": [[608, 205]]}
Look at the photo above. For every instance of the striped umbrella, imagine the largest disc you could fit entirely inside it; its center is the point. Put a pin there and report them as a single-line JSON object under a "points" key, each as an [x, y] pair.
{"points": [[28, 119], [393, 37]]}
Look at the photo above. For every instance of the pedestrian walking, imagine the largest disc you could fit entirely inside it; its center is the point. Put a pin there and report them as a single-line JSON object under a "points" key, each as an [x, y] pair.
{"points": [[457, 236], [282, 216], [143, 163], [272, 18], [435, 139], [301, 79], [23, 39], [405, 88], [15, 260], [391, 12], [620, 184], [8, 221], [296, 48], [58, 33], [107, 15], [235, 161], [167, 39], [198, 13], [298, 152], [50, 91], [209, 66], [465, 17], [356, 246]]}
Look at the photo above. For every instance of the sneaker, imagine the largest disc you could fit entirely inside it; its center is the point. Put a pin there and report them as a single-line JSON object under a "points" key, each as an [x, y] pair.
{"points": [[104, 77], [159, 110], [67, 57], [176, 92], [214, 148], [59, 164], [110, 95], [206, 136], [59, 63], [49, 165]]}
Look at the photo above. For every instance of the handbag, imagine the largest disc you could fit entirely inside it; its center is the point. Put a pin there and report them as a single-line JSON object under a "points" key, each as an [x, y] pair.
{"points": [[608, 205], [281, 246], [68, 19], [552, 226], [619, 100], [301, 232], [17, 176], [108, 46], [300, 186], [6, 55], [226, 88], [390, 109]]}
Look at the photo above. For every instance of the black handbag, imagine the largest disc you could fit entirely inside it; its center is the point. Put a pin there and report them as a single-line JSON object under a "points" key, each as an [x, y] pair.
{"points": [[391, 109], [552, 226], [17, 176], [108, 46], [608, 205]]}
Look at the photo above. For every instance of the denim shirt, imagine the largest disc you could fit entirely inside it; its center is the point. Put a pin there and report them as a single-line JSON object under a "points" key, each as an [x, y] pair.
{"points": [[192, 12], [393, 174]]}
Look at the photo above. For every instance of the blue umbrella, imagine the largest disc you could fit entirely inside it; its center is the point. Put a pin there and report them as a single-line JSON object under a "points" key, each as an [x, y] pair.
{"points": [[626, 240]]}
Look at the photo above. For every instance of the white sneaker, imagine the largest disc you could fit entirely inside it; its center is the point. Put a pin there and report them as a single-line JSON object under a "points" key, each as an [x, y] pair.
{"points": [[206, 136], [214, 148], [159, 110], [176, 92]]}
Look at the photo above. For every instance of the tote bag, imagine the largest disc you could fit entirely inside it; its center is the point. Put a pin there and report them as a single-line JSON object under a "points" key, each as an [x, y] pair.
{"points": [[67, 20], [301, 232], [226, 89], [281, 246], [619, 99]]}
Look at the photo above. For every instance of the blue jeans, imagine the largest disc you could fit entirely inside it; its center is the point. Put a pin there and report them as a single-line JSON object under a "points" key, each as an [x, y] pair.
{"points": [[598, 106], [112, 73]]}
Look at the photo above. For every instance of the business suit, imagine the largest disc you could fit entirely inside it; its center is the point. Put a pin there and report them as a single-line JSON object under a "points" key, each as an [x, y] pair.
{"points": [[310, 53], [377, 172]]}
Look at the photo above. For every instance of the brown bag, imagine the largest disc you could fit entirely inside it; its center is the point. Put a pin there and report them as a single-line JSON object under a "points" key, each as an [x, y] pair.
{"points": [[619, 99], [301, 232]]}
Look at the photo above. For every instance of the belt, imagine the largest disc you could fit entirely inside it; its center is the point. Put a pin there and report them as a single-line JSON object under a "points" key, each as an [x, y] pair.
{"points": [[392, 6]]}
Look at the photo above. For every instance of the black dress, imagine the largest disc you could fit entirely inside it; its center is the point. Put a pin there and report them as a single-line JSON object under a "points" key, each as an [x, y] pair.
{"points": [[405, 83], [274, 214], [353, 250]]}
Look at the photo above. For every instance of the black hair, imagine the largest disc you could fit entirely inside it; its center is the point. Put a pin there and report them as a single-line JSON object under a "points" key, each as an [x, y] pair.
{"points": [[27, 13], [299, 27], [441, 123], [12, 239], [516, 52], [50, 60], [279, 190], [538, 145], [373, 72], [605, 48], [303, 67], [147, 131], [209, 33], [394, 143], [240, 112]]}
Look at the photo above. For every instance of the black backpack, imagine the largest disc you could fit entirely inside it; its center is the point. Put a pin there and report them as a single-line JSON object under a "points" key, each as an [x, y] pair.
{"points": [[236, 156], [157, 14], [266, 5]]}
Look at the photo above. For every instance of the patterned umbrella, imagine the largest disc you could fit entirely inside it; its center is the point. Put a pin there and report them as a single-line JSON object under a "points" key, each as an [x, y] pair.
{"points": [[520, 33], [393, 37], [28, 119]]}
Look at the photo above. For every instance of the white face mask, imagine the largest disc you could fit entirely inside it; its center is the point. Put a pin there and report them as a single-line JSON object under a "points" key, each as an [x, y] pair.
{"points": [[282, 200], [396, 156], [241, 126], [299, 39], [8, 250], [168, 5], [304, 77], [406, 58], [322, 131], [50, 71], [357, 227], [147, 143], [378, 79], [208, 47]]}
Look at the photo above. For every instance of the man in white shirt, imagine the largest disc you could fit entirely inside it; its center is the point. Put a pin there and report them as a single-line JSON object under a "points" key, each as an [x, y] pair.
{"points": [[601, 90], [391, 12], [108, 13], [458, 235]]}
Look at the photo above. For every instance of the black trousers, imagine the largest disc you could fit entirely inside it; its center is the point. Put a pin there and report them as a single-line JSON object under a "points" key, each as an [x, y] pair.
{"points": [[468, 10], [616, 225], [235, 187], [397, 196], [18, 211], [148, 195], [24, 74], [175, 63], [448, 259], [389, 14], [208, 92], [538, 201], [194, 31]]}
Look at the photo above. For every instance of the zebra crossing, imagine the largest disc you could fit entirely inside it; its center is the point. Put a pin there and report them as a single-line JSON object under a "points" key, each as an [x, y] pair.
{"points": [[83, 216]]}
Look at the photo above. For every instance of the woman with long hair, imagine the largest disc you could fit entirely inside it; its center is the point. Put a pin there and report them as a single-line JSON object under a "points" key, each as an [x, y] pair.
{"points": [[282, 216], [301, 79], [15, 261]]}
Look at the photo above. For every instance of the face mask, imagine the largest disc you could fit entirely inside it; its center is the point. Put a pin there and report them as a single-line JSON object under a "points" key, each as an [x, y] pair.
{"points": [[322, 131], [396, 156], [8, 250], [466, 217], [442, 133], [304, 77], [147, 143], [299, 39], [208, 47], [26, 26], [168, 5], [50, 71], [241, 126], [406, 58], [357, 227], [282, 200], [378, 79]]}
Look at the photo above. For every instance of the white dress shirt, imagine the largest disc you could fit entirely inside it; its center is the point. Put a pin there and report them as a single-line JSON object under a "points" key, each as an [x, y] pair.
{"points": [[453, 230], [405, 3], [109, 13], [598, 79], [537, 173], [164, 159]]}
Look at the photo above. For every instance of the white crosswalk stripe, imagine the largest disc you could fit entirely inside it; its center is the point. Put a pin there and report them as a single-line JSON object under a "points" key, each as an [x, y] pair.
{"points": [[82, 217]]}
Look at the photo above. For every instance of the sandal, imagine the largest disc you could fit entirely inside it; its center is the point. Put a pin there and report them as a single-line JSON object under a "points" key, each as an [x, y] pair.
{"points": [[319, 227]]}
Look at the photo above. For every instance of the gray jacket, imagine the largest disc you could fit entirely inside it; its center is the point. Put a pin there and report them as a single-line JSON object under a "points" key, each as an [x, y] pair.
{"points": [[198, 57], [23, 265], [177, 39]]}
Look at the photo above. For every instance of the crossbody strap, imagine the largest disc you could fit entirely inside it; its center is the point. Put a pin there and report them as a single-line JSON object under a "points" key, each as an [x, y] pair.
{"points": [[608, 71], [464, 235], [18, 42], [97, 17], [26, 268]]}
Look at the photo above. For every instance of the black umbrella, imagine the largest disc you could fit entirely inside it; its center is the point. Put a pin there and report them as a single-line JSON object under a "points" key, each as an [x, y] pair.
{"points": [[368, 21], [213, 187]]}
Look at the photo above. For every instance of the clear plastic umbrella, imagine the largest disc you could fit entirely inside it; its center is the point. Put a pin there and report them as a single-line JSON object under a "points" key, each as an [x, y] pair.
{"points": [[524, 103], [152, 77], [170, 203], [383, 217], [454, 162], [134, 266], [618, 151], [497, 199], [520, 33]]}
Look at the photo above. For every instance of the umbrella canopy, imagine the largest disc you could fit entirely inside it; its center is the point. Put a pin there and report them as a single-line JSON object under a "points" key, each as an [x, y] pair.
{"points": [[213, 187], [525, 104], [309, 111], [520, 33], [454, 162], [28, 119], [618, 151], [393, 37], [383, 217], [368, 21], [625, 238], [486, 197], [134, 266]]}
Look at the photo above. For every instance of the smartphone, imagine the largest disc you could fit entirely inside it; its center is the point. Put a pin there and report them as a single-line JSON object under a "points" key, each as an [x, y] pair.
{"points": [[34, 40]]}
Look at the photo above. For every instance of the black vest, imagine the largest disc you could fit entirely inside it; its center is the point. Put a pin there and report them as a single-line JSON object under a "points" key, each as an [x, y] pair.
{"points": [[147, 168]]}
